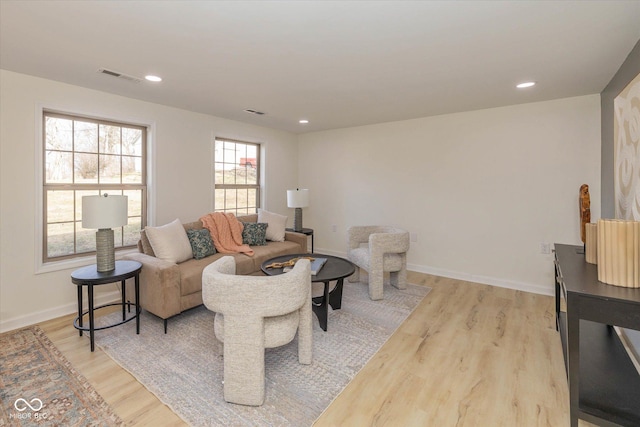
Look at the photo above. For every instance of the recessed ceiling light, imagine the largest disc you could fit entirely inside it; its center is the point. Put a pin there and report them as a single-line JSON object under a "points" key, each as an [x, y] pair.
{"points": [[303, 121], [152, 78], [525, 85]]}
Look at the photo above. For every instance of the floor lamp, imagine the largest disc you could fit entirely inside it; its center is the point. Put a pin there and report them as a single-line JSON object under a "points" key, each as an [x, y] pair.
{"points": [[297, 199], [103, 213]]}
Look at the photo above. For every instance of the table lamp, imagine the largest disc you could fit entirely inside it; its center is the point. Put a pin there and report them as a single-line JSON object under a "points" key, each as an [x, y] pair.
{"points": [[103, 213], [297, 199]]}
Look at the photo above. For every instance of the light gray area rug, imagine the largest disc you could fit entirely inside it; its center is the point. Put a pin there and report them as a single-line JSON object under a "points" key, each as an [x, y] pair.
{"points": [[184, 368]]}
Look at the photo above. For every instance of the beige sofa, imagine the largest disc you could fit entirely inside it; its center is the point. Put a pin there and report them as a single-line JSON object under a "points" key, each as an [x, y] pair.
{"points": [[167, 289]]}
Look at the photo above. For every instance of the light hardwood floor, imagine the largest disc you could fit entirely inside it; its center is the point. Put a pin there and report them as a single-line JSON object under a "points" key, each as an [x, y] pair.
{"points": [[469, 355]]}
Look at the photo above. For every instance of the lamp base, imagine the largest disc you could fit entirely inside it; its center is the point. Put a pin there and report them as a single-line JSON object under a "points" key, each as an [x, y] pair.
{"points": [[297, 220], [105, 254]]}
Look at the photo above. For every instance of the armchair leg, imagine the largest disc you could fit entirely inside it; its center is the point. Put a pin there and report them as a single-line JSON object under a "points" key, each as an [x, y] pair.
{"points": [[399, 279], [244, 361], [305, 333], [376, 283]]}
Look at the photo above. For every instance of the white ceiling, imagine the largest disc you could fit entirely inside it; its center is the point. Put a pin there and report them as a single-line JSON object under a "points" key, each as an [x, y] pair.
{"points": [[336, 63]]}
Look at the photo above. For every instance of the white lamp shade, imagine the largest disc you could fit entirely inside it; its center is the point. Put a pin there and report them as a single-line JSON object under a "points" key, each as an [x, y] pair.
{"points": [[298, 198], [104, 211]]}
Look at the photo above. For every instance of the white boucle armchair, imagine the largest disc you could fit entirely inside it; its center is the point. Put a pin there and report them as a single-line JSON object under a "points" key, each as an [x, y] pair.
{"points": [[379, 249], [254, 313]]}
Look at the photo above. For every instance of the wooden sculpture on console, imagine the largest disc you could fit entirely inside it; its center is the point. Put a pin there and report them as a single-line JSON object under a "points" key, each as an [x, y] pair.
{"points": [[585, 210]]}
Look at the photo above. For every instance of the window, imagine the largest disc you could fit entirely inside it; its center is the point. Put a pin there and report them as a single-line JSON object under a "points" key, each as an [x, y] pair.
{"points": [[83, 157], [237, 177]]}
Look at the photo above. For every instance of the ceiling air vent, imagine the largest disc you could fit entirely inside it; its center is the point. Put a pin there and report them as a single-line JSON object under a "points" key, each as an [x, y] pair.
{"points": [[248, 110], [119, 75]]}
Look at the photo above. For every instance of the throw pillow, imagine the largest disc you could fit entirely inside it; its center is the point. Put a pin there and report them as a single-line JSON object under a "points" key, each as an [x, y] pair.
{"points": [[276, 225], [146, 246], [201, 243], [170, 242], [254, 233]]}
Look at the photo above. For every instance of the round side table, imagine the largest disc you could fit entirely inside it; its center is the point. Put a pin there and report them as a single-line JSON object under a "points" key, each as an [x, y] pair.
{"points": [[89, 276]]}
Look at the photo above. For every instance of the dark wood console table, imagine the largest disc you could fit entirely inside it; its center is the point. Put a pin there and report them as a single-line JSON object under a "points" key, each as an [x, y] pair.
{"points": [[604, 385]]}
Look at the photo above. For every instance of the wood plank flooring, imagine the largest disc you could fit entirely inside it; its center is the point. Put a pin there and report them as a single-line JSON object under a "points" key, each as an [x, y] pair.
{"points": [[469, 355]]}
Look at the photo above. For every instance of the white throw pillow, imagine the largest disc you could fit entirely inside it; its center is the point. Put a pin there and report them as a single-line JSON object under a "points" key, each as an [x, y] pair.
{"points": [[276, 225], [170, 242]]}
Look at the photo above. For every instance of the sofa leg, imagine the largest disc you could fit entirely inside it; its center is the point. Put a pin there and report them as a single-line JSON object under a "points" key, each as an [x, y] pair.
{"points": [[165, 326]]}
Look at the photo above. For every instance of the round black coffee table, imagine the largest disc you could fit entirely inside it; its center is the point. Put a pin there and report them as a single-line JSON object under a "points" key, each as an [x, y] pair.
{"points": [[335, 268]]}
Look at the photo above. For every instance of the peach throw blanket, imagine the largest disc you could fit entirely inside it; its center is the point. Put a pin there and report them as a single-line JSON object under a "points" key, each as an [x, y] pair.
{"points": [[226, 232]]}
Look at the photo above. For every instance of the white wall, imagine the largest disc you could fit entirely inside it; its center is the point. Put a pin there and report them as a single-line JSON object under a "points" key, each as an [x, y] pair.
{"points": [[481, 189], [182, 151]]}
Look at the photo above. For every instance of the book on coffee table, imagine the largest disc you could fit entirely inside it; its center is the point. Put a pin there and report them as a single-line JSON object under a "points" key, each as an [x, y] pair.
{"points": [[316, 265]]}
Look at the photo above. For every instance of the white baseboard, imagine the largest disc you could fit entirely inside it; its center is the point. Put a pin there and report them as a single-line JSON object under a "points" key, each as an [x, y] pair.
{"points": [[485, 280], [53, 313], [44, 315], [467, 277]]}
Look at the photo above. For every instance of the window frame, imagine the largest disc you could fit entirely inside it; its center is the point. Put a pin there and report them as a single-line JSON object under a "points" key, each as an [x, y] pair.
{"points": [[257, 186], [44, 187]]}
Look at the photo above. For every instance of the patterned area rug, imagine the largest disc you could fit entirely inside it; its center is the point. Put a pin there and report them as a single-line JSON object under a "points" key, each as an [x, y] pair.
{"points": [[39, 387], [185, 369]]}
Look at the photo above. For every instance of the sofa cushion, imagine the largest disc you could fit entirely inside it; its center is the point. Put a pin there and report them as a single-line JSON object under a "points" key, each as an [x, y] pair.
{"points": [[170, 242], [145, 246], [244, 263], [277, 224], [254, 233], [191, 274], [191, 270], [273, 249], [250, 265], [248, 218], [195, 225], [201, 243]]}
